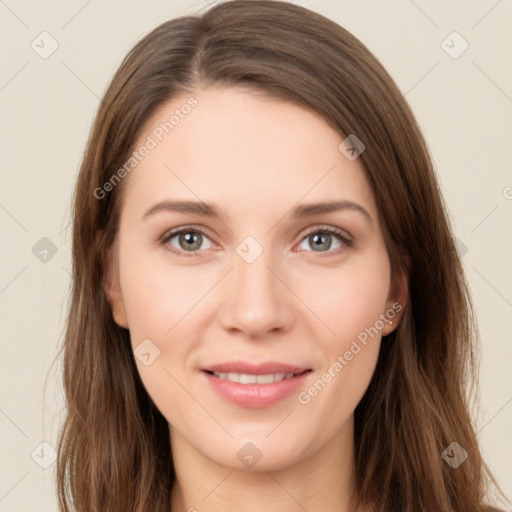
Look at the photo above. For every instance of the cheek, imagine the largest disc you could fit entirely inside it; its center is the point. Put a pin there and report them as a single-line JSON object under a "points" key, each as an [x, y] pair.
{"points": [[348, 299], [350, 305], [157, 300], [156, 295], [162, 303], [350, 358]]}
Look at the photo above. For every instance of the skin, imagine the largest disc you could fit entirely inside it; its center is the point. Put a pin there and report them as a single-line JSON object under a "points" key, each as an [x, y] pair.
{"points": [[256, 158]]}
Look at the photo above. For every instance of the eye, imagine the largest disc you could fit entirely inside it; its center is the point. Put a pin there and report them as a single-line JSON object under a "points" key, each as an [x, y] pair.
{"points": [[185, 241], [321, 239], [189, 241]]}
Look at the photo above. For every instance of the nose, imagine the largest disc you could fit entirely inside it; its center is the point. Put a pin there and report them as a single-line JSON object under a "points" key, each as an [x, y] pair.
{"points": [[255, 299]]}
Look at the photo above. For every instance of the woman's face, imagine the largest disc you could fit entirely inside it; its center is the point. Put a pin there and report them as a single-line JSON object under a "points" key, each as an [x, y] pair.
{"points": [[284, 301]]}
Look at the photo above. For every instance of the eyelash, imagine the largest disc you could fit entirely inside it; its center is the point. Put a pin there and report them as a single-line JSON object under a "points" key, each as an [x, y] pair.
{"points": [[324, 230]]}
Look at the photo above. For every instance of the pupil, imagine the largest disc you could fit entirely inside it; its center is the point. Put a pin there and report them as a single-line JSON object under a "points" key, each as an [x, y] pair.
{"points": [[323, 242], [192, 240]]}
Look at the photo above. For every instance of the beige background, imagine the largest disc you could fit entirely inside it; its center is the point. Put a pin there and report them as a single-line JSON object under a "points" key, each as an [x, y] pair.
{"points": [[464, 106]]}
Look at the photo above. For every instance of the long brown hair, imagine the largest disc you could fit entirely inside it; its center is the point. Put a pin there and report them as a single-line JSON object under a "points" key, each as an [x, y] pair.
{"points": [[114, 451]]}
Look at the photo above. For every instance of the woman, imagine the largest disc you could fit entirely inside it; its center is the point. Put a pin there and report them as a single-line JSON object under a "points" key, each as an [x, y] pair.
{"points": [[268, 309]]}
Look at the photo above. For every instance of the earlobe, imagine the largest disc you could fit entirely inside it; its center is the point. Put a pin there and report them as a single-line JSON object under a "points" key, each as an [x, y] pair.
{"points": [[397, 301], [112, 289]]}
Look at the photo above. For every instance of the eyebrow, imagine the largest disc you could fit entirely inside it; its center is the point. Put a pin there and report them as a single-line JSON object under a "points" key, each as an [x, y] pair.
{"points": [[299, 212], [306, 210]]}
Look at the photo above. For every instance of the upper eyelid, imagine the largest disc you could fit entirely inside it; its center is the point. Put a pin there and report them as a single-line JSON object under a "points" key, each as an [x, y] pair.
{"points": [[171, 233], [326, 227]]}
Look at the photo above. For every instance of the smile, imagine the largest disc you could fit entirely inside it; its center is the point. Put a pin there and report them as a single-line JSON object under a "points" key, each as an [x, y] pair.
{"points": [[246, 378], [255, 390]]}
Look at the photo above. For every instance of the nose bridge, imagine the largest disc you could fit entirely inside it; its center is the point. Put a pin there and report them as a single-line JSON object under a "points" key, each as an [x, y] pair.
{"points": [[255, 301], [253, 278]]}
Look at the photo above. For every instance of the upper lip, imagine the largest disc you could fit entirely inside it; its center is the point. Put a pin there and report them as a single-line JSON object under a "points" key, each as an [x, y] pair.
{"points": [[254, 369]]}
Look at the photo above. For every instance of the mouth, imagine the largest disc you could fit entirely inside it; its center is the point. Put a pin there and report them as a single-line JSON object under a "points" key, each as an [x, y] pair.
{"points": [[248, 378], [252, 386]]}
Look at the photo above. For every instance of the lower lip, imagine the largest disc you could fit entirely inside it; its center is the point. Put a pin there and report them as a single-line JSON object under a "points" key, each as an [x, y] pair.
{"points": [[255, 395]]}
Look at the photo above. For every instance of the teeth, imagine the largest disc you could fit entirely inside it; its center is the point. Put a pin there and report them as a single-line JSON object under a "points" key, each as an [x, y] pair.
{"points": [[245, 378]]}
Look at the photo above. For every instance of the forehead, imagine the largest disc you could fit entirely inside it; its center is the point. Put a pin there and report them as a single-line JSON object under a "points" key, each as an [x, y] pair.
{"points": [[236, 148]]}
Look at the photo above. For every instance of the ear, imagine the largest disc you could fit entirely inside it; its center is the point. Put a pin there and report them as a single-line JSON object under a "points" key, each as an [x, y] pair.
{"points": [[397, 298], [112, 287]]}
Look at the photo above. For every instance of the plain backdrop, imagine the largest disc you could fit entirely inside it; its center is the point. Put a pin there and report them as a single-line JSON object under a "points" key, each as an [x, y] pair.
{"points": [[462, 98]]}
